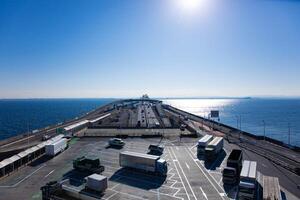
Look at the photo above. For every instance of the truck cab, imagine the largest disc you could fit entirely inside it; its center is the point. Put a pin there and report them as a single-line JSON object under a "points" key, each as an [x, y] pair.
{"points": [[155, 149], [162, 166], [88, 164]]}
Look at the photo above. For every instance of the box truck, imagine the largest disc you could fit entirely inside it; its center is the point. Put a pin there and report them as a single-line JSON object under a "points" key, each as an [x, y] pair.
{"points": [[56, 147], [97, 183], [248, 183], [213, 148], [231, 173], [202, 143], [145, 162]]}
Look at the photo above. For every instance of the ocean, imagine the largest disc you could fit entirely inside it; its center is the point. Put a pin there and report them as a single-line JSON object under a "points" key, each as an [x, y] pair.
{"points": [[17, 116], [279, 117]]}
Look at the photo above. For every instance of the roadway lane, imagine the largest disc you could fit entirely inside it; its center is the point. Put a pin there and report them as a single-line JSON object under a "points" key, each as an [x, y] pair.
{"points": [[197, 181]]}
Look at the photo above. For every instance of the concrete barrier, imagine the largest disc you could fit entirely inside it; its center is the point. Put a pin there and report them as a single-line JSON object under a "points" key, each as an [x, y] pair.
{"points": [[109, 132]]}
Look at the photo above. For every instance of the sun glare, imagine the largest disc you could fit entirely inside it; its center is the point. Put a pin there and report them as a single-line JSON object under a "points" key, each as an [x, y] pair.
{"points": [[191, 6]]}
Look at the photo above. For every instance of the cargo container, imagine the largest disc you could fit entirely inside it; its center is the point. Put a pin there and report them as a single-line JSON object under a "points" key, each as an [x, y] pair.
{"points": [[202, 143], [145, 162], [271, 188], [213, 148], [97, 183], [231, 173], [56, 147], [248, 183]]}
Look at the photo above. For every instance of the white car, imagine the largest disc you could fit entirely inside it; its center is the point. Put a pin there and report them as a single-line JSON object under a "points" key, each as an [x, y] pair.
{"points": [[116, 142]]}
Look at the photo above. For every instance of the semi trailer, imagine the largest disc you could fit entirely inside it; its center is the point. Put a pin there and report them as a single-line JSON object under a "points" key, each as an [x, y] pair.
{"points": [[271, 188], [56, 147], [202, 143], [213, 148], [248, 183], [145, 162], [231, 173]]}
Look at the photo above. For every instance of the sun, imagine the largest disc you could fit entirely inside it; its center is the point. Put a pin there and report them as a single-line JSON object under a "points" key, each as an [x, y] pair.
{"points": [[191, 6]]}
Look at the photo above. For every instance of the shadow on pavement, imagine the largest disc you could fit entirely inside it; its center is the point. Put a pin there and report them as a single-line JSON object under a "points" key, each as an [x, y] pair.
{"points": [[137, 179], [231, 191], [40, 160], [213, 164]]}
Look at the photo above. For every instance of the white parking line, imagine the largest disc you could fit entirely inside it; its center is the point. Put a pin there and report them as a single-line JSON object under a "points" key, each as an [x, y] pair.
{"points": [[131, 195], [189, 153], [187, 165], [49, 173], [179, 175], [184, 175], [16, 184], [111, 195], [203, 193]]}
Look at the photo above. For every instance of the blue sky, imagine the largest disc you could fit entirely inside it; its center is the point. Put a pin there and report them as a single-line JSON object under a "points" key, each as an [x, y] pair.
{"points": [[124, 48]]}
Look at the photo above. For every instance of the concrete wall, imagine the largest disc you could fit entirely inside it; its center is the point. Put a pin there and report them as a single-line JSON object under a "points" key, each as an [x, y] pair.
{"points": [[132, 132]]}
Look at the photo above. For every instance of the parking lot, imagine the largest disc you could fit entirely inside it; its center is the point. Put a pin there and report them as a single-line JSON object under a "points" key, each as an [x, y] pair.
{"points": [[188, 177]]}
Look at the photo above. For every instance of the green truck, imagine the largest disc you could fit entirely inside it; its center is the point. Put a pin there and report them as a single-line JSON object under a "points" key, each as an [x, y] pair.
{"points": [[88, 164]]}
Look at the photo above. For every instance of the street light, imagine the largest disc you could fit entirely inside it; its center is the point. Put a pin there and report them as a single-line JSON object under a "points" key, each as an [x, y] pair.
{"points": [[239, 124], [289, 133], [264, 123]]}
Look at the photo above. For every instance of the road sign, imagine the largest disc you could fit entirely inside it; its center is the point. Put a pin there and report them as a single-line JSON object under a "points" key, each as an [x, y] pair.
{"points": [[214, 114]]}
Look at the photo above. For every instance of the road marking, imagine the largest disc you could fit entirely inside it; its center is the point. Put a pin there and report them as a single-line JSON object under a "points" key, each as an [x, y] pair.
{"points": [[128, 194], [184, 175], [49, 173], [179, 175], [111, 196], [203, 193], [189, 153], [16, 184], [187, 165]]}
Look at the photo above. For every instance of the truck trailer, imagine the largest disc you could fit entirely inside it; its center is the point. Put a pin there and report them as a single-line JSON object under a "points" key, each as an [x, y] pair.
{"points": [[248, 183], [231, 173], [202, 143], [144, 162], [213, 148], [96, 182], [56, 147], [271, 188]]}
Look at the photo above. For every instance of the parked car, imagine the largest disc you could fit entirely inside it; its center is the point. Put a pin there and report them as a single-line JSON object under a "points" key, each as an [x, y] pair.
{"points": [[116, 142]]}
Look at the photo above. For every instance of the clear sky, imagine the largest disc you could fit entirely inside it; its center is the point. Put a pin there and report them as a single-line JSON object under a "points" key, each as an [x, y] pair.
{"points": [[166, 48]]}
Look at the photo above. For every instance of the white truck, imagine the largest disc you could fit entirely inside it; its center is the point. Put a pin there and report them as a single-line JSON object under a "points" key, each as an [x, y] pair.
{"points": [[97, 183], [145, 162], [202, 143], [56, 147], [213, 148], [248, 183]]}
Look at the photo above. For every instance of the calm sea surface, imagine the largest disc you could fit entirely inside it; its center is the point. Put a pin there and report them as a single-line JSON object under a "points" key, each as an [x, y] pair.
{"points": [[17, 115], [276, 113]]}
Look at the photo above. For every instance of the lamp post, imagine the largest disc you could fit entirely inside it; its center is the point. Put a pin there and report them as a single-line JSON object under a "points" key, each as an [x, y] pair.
{"points": [[289, 125], [239, 124], [264, 123]]}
